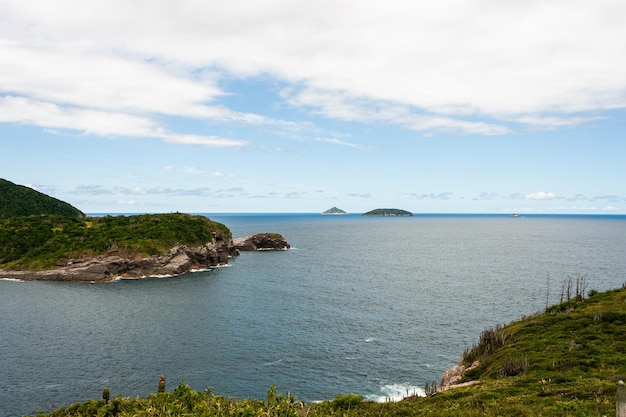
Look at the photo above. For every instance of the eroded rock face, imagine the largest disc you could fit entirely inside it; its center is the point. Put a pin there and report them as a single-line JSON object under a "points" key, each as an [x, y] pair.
{"points": [[453, 376], [261, 241], [179, 260]]}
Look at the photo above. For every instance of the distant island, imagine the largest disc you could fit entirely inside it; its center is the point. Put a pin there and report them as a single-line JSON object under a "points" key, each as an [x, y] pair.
{"points": [[388, 212], [335, 210]]}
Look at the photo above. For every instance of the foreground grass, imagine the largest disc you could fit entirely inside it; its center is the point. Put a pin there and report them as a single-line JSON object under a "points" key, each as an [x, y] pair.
{"points": [[563, 362]]}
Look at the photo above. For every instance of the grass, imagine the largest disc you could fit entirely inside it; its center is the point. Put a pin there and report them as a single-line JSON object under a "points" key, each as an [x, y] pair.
{"points": [[565, 361]]}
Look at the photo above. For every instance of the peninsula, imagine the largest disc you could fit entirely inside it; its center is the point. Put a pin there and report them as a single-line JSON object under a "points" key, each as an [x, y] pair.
{"points": [[42, 238]]}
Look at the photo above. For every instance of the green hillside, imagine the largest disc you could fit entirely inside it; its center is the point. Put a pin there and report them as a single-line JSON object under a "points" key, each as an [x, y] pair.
{"points": [[17, 200], [565, 361], [40, 242]]}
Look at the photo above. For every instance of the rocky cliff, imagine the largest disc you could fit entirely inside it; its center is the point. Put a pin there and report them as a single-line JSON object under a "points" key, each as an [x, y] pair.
{"points": [[103, 268]]}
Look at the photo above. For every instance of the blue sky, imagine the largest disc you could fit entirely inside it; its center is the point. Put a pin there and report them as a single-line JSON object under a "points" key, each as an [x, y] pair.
{"points": [[297, 106]]}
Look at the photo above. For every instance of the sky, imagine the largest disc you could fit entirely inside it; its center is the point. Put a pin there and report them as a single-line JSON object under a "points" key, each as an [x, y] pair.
{"points": [[433, 106]]}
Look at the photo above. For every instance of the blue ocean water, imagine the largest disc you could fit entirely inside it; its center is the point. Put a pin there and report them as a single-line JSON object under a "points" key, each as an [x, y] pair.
{"points": [[376, 306]]}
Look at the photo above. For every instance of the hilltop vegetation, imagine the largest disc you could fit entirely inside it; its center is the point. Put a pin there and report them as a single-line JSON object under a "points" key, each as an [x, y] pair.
{"points": [[17, 200], [42, 242], [39, 232], [562, 362]]}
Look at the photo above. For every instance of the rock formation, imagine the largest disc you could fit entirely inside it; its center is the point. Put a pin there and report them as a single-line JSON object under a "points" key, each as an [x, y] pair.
{"points": [[102, 268], [452, 377], [261, 241]]}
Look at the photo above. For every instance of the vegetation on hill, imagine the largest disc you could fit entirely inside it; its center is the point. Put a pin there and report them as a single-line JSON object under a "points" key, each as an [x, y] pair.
{"points": [[43, 242], [388, 212], [562, 362], [17, 200]]}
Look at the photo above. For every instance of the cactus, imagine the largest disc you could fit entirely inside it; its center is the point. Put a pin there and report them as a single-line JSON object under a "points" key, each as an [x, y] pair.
{"points": [[161, 384], [106, 394]]}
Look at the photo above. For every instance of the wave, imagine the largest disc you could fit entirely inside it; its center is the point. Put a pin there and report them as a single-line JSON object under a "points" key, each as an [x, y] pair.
{"points": [[121, 278], [395, 392], [11, 279], [191, 271]]}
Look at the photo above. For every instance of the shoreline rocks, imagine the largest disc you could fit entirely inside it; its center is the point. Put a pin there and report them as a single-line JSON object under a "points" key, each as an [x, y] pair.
{"points": [[261, 241], [179, 260], [452, 377], [104, 268]]}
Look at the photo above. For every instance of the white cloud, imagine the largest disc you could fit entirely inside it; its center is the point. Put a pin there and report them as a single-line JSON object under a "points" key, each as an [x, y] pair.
{"points": [[211, 141], [341, 105], [429, 65], [439, 196], [139, 191], [540, 195], [102, 123], [49, 115], [126, 202], [336, 141], [102, 81], [487, 195]]}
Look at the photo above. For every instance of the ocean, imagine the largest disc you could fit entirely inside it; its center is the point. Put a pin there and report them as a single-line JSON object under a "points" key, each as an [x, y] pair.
{"points": [[377, 306]]}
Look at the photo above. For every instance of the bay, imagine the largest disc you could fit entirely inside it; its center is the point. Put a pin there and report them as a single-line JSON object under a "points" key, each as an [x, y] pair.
{"points": [[376, 306]]}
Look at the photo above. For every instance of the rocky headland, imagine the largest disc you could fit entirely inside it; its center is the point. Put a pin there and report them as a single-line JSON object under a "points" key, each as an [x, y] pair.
{"points": [[179, 260]]}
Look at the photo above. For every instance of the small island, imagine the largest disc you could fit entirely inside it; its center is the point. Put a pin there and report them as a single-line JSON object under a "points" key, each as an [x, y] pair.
{"points": [[335, 210], [388, 212]]}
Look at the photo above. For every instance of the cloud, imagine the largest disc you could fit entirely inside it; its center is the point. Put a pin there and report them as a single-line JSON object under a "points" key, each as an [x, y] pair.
{"points": [[609, 198], [487, 196], [126, 202], [360, 195], [541, 64], [542, 195], [554, 122], [103, 81], [340, 105], [435, 196], [139, 191], [336, 141], [95, 122], [539, 195], [295, 194]]}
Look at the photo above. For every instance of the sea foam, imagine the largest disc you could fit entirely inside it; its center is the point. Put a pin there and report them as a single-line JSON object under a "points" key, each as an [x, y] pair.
{"points": [[395, 392]]}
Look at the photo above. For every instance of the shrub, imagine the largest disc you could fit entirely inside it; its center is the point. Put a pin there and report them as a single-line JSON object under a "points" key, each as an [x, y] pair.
{"points": [[346, 401]]}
